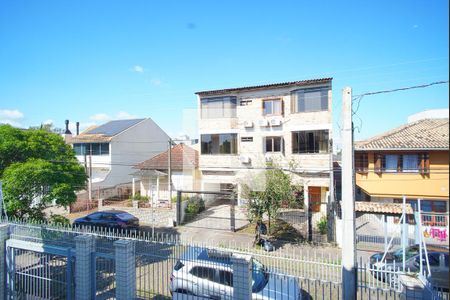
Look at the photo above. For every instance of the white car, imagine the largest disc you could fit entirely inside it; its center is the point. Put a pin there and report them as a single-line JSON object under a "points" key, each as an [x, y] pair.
{"points": [[201, 274]]}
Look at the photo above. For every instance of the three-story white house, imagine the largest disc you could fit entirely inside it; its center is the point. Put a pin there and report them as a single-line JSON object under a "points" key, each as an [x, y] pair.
{"points": [[288, 124]]}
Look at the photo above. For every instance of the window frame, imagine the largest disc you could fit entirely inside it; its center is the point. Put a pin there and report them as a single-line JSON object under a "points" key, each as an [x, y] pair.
{"points": [[324, 98], [272, 100], [246, 139], [272, 138], [297, 148], [204, 111], [218, 137], [362, 162]]}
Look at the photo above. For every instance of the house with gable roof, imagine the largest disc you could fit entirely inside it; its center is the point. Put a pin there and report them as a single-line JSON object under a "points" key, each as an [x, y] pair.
{"points": [[112, 149]]}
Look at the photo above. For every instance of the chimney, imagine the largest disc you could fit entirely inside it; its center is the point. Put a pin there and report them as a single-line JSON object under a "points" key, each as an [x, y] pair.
{"points": [[78, 127], [67, 128]]}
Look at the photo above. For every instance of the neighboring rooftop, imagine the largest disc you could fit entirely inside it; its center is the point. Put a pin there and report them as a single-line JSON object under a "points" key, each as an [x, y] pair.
{"points": [[105, 132], [441, 113], [382, 208], [426, 134], [183, 158], [266, 86]]}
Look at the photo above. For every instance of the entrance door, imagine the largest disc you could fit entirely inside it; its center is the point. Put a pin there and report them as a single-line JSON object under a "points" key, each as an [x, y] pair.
{"points": [[314, 194]]}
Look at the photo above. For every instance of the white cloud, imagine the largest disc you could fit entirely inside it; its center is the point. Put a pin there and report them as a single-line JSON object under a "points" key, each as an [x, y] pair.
{"points": [[11, 114], [156, 81], [138, 69], [100, 117], [11, 117], [125, 115]]}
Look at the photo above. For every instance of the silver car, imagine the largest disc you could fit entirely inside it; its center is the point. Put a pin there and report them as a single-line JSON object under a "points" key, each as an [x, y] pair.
{"points": [[211, 277]]}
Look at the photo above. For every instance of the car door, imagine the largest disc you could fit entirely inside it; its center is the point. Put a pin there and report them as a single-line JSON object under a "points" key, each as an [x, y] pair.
{"points": [[93, 219], [204, 282], [225, 284], [108, 220]]}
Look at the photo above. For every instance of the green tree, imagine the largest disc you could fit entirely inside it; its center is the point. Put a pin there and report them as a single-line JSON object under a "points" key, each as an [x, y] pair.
{"points": [[265, 195], [37, 169]]}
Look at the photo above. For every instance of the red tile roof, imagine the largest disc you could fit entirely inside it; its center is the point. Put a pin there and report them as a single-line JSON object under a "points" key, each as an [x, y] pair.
{"points": [[382, 208], [183, 158], [426, 134], [266, 86]]}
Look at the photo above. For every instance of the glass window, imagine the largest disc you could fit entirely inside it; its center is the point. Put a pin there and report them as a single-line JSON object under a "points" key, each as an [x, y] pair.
{"points": [[309, 100], [247, 139], [203, 272], [310, 141], [390, 162], [79, 149], [95, 149], [104, 149], [226, 278], [95, 216], [410, 163], [273, 144], [272, 107], [218, 107], [219, 143]]}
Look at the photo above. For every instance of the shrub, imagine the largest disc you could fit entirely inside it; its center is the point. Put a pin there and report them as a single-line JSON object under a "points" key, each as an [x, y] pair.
{"points": [[58, 220], [194, 206], [322, 225]]}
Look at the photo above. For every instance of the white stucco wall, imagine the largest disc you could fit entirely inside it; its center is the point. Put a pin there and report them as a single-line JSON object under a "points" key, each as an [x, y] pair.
{"points": [[134, 145]]}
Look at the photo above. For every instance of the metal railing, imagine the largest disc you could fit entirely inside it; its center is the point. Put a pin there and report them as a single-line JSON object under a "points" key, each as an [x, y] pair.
{"points": [[164, 268]]}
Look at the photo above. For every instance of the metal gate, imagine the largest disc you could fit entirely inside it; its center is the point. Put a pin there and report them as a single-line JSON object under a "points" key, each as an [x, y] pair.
{"points": [[105, 275], [209, 210], [35, 271]]}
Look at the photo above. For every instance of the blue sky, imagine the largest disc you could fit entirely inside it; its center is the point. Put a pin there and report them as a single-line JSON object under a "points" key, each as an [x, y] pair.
{"points": [[91, 61]]}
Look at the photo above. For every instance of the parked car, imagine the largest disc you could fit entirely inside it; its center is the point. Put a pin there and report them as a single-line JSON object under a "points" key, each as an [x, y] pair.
{"points": [[437, 258], [209, 274], [114, 219]]}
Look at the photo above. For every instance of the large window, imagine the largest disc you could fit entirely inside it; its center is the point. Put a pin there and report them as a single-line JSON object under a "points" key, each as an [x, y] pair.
{"points": [[218, 107], [91, 148], [406, 163], [309, 100], [219, 143], [310, 141], [272, 107], [273, 144], [361, 162]]}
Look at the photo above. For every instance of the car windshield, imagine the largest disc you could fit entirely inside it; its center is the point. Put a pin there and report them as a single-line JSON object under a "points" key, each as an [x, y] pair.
{"points": [[260, 276], [410, 252]]}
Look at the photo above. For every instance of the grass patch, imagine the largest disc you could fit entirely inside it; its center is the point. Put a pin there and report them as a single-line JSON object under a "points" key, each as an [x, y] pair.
{"points": [[279, 229]]}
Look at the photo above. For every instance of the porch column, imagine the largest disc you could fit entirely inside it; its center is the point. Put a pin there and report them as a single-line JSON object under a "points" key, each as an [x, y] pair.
{"points": [[133, 193], [157, 188]]}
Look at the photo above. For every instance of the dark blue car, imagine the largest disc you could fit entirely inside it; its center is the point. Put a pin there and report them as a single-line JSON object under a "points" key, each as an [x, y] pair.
{"points": [[114, 219]]}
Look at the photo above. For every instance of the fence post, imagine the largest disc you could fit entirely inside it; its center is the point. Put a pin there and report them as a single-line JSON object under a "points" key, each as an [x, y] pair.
{"points": [[125, 269], [233, 212], [4, 235], [84, 247], [178, 209], [242, 276]]}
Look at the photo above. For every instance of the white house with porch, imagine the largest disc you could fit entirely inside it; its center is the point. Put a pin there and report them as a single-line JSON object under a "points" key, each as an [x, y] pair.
{"points": [[151, 175]]}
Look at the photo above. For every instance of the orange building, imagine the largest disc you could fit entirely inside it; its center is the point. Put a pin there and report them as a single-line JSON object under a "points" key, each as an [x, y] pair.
{"points": [[411, 160]]}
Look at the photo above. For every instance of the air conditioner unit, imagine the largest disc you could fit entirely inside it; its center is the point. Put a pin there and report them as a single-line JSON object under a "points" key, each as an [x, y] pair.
{"points": [[263, 123], [275, 122], [248, 124], [245, 159]]}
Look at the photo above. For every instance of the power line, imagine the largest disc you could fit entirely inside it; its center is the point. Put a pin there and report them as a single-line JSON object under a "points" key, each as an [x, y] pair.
{"points": [[403, 88]]}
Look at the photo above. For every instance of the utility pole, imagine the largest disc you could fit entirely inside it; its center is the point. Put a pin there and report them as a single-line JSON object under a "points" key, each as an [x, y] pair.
{"points": [[348, 200], [331, 201], [90, 175], [169, 172]]}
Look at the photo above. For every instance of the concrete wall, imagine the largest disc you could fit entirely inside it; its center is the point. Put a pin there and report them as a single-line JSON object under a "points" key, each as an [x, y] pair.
{"points": [[136, 144]]}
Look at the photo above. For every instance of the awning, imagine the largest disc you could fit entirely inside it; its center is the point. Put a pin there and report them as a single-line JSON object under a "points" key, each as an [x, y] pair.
{"points": [[382, 208]]}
